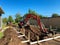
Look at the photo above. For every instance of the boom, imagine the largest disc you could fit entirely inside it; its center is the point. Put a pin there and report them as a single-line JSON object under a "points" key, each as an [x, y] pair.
{"points": [[36, 18]]}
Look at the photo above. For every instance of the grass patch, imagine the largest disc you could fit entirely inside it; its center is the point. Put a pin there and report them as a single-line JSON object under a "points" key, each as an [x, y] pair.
{"points": [[3, 26], [1, 35]]}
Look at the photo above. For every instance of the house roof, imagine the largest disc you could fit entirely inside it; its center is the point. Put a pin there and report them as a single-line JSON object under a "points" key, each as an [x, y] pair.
{"points": [[1, 11]]}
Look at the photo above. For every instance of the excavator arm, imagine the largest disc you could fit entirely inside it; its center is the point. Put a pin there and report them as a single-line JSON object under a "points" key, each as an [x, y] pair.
{"points": [[37, 18]]}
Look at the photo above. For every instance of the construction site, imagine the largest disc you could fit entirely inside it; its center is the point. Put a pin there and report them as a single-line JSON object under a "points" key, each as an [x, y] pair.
{"points": [[31, 29], [28, 33]]}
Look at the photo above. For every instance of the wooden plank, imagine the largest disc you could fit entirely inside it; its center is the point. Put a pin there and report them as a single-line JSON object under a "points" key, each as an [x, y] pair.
{"points": [[56, 37], [44, 40], [18, 32], [25, 41], [21, 35]]}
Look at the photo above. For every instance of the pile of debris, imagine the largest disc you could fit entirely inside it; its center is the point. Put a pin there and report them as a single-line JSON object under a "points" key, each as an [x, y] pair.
{"points": [[34, 32], [11, 37]]}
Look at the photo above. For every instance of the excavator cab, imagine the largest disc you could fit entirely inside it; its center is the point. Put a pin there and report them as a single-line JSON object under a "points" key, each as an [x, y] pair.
{"points": [[20, 24]]}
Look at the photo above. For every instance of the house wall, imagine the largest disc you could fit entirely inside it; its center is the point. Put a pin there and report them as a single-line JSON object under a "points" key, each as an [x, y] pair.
{"points": [[54, 22], [0, 22]]}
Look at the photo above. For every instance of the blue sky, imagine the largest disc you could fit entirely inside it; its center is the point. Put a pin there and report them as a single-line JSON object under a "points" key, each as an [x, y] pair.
{"points": [[44, 7]]}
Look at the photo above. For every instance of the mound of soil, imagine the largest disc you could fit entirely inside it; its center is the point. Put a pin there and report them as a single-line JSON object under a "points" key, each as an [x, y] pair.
{"points": [[10, 38]]}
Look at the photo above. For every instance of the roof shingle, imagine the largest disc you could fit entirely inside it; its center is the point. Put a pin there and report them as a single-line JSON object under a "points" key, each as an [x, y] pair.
{"points": [[1, 11]]}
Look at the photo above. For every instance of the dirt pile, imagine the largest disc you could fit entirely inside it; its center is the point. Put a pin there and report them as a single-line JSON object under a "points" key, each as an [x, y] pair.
{"points": [[10, 38]]}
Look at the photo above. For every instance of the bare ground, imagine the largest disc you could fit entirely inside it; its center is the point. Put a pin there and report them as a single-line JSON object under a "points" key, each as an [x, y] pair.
{"points": [[10, 38]]}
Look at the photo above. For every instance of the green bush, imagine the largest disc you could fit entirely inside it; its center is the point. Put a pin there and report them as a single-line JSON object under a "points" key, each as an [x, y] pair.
{"points": [[1, 34]]}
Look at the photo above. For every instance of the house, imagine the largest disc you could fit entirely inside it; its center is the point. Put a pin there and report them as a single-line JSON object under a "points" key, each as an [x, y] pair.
{"points": [[51, 21], [1, 12]]}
